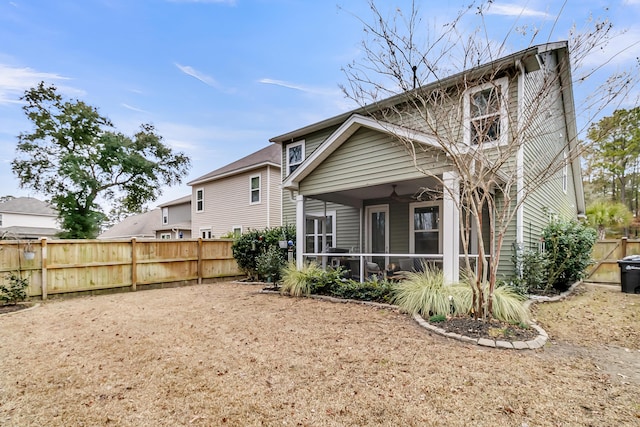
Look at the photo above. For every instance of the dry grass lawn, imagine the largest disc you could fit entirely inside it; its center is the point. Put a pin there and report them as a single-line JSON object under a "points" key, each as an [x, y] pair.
{"points": [[225, 354]]}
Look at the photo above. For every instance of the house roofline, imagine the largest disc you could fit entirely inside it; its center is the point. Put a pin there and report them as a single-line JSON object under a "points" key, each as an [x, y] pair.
{"points": [[337, 138], [447, 81], [204, 180]]}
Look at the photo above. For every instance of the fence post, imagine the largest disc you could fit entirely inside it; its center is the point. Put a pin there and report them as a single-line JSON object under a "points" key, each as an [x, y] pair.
{"points": [[43, 257], [134, 267], [199, 260], [623, 245]]}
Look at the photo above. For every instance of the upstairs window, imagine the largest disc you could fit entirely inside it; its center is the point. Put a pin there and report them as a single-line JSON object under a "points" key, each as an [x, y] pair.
{"points": [[255, 189], [486, 114], [165, 215], [295, 156], [200, 200]]}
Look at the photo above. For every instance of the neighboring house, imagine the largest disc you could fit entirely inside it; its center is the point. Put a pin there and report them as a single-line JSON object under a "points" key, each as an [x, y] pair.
{"points": [[237, 197], [176, 219], [349, 184], [28, 218], [140, 226]]}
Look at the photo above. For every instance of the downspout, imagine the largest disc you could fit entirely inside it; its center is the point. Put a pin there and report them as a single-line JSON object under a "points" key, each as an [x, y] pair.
{"points": [[268, 196], [520, 162]]}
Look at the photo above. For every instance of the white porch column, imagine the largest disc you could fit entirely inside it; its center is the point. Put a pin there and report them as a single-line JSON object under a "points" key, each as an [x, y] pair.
{"points": [[451, 227], [299, 231]]}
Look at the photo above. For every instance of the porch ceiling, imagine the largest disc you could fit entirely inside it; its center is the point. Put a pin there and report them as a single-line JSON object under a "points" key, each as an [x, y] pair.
{"points": [[355, 196]]}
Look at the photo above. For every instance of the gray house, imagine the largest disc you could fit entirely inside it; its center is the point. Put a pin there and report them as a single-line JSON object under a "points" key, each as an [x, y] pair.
{"points": [[382, 183], [176, 219]]}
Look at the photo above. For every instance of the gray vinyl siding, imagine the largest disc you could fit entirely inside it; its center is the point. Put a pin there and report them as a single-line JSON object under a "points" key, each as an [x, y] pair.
{"points": [[227, 203], [368, 158], [544, 118], [179, 213]]}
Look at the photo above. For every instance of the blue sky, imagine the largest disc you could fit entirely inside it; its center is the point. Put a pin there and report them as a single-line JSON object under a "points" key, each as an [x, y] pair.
{"points": [[218, 78]]}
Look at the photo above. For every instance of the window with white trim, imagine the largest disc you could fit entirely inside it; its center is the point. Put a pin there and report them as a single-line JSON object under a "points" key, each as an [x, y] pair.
{"points": [[165, 215], [295, 156], [425, 228], [200, 200], [318, 239], [205, 233], [254, 183], [485, 110], [237, 231], [165, 236], [0, 220], [565, 172]]}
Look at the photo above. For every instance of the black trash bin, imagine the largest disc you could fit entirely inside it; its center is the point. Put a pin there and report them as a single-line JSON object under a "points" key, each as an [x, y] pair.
{"points": [[630, 274]]}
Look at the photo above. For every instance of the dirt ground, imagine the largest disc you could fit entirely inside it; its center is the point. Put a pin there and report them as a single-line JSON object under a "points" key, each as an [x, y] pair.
{"points": [[225, 354]]}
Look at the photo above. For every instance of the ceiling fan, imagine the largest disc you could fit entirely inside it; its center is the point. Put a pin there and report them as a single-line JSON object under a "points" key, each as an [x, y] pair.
{"points": [[394, 195]]}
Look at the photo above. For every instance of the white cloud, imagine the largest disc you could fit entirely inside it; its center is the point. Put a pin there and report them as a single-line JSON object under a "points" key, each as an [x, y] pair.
{"points": [[299, 87], [14, 81], [204, 78], [511, 9], [138, 110]]}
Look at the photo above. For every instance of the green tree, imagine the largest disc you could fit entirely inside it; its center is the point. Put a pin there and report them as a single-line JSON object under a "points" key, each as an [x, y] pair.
{"points": [[615, 149], [601, 215], [75, 156]]}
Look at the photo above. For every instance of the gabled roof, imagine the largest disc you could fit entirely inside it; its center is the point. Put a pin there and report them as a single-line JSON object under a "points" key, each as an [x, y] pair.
{"points": [[270, 155], [27, 206], [526, 56], [180, 201], [141, 225], [342, 134]]}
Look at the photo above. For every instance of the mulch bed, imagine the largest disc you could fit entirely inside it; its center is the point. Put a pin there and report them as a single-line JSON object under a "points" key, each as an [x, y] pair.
{"points": [[472, 328]]}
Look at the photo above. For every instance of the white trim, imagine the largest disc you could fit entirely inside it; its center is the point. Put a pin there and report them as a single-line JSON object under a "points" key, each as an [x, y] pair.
{"points": [[206, 233], [368, 211], [252, 190], [165, 236], [503, 84], [165, 215], [300, 144], [412, 230], [565, 171], [300, 236], [451, 227], [234, 228], [201, 189], [315, 216], [520, 160]]}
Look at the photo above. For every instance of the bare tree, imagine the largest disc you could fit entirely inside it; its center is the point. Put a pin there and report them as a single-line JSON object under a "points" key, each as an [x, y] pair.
{"points": [[415, 76]]}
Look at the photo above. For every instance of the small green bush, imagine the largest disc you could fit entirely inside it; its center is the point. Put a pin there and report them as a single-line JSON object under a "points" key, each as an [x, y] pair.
{"points": [[438, 318], [373, 290], [269, 263], [15, 291], [533, 265], [252, 243], [568, 246]]}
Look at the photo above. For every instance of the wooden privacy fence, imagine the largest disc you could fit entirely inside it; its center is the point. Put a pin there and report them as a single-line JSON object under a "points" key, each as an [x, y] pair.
{"points": [[606, 254], [66, 266]]}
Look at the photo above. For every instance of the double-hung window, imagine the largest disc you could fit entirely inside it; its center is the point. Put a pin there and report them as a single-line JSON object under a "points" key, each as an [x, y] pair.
{"points": [[254, 183], [486, 114], [425, 228], [200, 200], [295, 156], [320, 232], [165, 215]]}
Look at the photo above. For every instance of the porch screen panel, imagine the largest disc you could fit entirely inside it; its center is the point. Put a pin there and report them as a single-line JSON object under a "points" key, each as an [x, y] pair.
{"points": [[426, 222]]}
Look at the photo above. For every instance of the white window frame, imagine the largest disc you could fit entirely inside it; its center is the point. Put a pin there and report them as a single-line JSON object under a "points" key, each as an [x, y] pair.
{"points": [[317, 231], [412, 230], [503, 85], [165, 236], [296, 164], [206, 233], [236, 230], [252, 190], [165, 215], [199, 199], [565, 172]]}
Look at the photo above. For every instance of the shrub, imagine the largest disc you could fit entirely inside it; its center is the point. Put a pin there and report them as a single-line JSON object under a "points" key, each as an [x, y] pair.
{"points": [[508, 305], [568, 246], [425, 293], [533, 265], [15, 291], [373, 290], [299, 282], [269, 264], [255, 242]]}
